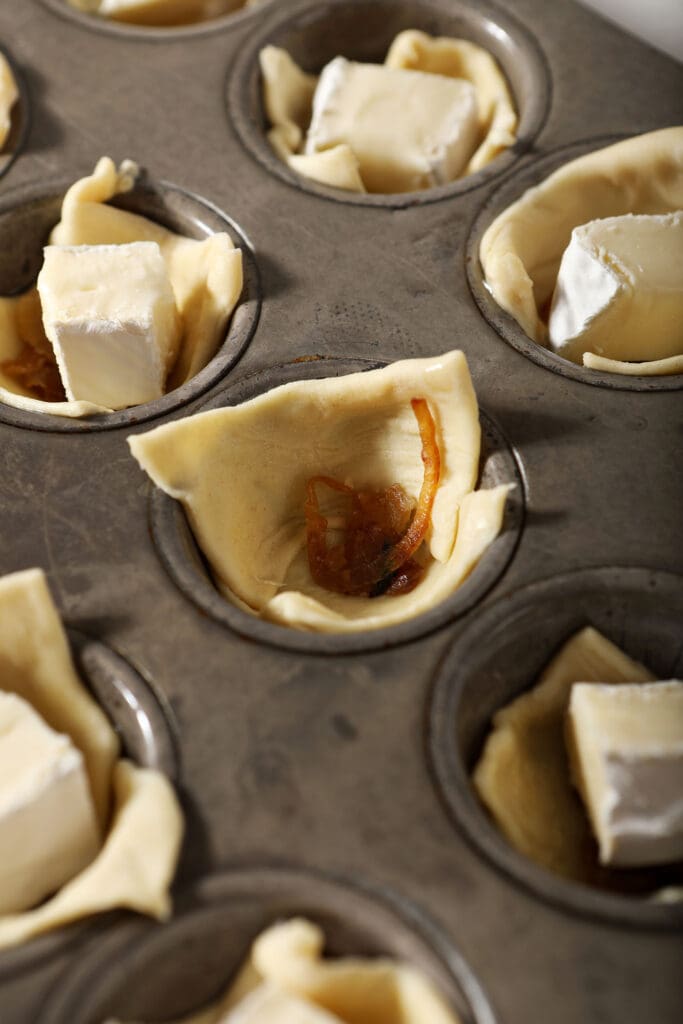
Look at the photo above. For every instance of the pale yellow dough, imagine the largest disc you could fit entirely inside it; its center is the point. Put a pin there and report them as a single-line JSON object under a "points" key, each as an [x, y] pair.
{"points": [[241, 475], [523, 775], [9, 94], [288, 958], [522, 249], [206, 277], [288, 96], [138, 812]]}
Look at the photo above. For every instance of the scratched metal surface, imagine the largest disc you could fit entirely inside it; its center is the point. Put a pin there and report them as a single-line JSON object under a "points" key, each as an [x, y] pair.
{"points": [[321, 761]]}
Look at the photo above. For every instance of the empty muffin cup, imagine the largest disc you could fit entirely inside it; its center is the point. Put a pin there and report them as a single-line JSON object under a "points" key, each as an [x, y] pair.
{"points": [[499, 657], [161, 20]]}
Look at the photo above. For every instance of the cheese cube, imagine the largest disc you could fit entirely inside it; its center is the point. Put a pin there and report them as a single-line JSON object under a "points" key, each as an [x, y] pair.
{"points": [[619, 290], [110, 314], [626, 749], [268, 1004], [48, 826], [409, 130]]}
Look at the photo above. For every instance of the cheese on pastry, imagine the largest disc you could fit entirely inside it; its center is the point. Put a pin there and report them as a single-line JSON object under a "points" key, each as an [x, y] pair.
{"points": [[138, 816], [523, 775], [390, 130], [206, 278], [619, 290], [241, 475], [522, 250], [9, 94]]}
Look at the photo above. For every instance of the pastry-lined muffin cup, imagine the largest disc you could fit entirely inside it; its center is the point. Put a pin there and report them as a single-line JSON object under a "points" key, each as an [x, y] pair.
{"points": [[158, 33], [20, 117], [503, 323], [499, 656], [143, 972], [185, 563], [147, 731], [362, 30], [27, 216]]}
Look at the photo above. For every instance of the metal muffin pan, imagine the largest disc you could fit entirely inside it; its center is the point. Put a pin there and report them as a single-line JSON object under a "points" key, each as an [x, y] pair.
{"points": [[320, 761]]}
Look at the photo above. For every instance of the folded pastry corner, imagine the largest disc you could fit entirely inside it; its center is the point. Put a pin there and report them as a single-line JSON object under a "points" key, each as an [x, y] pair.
{"points": [[243, 475], [138, 813]]}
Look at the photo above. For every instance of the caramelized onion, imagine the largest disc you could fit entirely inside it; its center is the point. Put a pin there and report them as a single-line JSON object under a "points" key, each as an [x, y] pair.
{"points": [[37, 372], [375, 555]]}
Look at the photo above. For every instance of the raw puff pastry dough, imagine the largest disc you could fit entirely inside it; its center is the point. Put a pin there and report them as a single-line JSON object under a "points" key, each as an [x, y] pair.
{"points": [[521, 251], [523, 775], [137, 809], [287, 958], [288, 96], [241, 475], [206, 277], [9, 94]]}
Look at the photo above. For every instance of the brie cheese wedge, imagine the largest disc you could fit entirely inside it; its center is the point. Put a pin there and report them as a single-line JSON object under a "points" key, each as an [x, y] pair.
{"points": [[619, 291], [48, 825], [408, 129], [626, 749], [110, 314]]}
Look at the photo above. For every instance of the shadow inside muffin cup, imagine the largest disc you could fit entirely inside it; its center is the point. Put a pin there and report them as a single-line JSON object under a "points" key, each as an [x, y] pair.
{"points": [[27, 216], [151, 973], [147, 733], [498, 657], [190, 571], [514, 187], [363, 30]]}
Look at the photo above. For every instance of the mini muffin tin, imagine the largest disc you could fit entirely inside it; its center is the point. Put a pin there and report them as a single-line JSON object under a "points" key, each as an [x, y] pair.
{"points": [[327, 775]]}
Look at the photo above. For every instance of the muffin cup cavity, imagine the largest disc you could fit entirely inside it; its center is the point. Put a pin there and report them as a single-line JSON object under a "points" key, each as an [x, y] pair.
{"points": [[185, 563], [28, 214], [362, 30], [144, 972], [147, 731], [503, 323], [19, 117], [499, 656], [157, 33]]}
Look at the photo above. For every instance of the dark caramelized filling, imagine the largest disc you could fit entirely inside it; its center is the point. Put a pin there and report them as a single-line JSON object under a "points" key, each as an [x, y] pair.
{"points": [[36, 372], [379, 533]]}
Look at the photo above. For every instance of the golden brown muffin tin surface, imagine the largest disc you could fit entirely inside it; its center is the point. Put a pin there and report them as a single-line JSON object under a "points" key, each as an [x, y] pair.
{"points": [[332, 759]]}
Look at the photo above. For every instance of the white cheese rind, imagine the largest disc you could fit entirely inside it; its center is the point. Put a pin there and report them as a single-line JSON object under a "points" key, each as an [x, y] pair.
{"points": [[619, 290], [408, 129], [626, 747], [110, 314], [48, 826]]}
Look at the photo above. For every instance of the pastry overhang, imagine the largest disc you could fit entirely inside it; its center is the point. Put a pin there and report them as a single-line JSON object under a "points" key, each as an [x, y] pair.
{"points": [[241, 475], [523, 775], [9, 94], [138, 813], [522, 249], [206, 277], [288, 94], [286, 968]]}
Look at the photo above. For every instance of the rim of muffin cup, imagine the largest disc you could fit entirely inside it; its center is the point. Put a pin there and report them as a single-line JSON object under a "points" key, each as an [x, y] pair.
{"points": [[191, 959], [377, 22], [181, 557], [498, 657], [36, 208], [531, 174], [156, 33], [146, 728], [20, 116]]}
